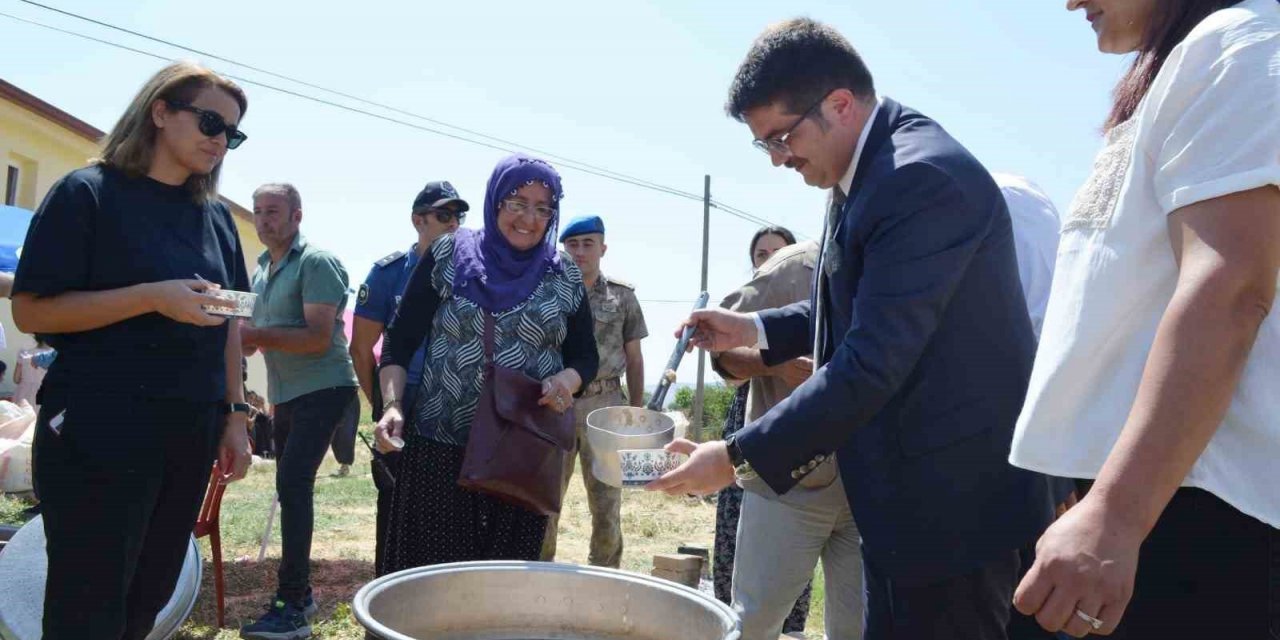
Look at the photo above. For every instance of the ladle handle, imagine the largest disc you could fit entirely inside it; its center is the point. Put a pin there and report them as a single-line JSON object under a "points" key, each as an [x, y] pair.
{"points": [[664, 384]]}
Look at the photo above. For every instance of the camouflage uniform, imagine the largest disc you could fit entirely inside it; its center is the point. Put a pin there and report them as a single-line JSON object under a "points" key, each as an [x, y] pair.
{"points": [[619, 320]]}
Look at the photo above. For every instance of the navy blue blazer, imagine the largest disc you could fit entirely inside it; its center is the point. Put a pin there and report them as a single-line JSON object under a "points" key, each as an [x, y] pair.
{"points": [[928, 358]]}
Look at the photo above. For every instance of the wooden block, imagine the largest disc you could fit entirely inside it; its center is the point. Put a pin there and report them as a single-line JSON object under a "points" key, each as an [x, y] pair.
{"points": [[701, 552], [686, 578], [677, 562]]}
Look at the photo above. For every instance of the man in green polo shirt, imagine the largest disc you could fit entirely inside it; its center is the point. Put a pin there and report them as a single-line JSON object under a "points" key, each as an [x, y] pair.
{"points": [[297, 325]]}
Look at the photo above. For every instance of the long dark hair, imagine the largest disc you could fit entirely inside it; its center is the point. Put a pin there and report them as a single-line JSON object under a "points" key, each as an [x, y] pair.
{"points": [[781, 232], [1171, 21]]}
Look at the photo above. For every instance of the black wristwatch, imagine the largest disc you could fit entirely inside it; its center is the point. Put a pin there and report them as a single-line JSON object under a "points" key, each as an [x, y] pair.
{"points": [[235, 407], [735, 452]]}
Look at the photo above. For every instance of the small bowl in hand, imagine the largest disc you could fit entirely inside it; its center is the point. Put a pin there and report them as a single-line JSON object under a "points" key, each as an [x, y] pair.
{"points": [[642, 466]]}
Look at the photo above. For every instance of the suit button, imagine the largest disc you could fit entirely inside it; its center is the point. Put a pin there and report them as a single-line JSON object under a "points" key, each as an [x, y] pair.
{"points": [[795, 475], [821, 458], [813, 464]]}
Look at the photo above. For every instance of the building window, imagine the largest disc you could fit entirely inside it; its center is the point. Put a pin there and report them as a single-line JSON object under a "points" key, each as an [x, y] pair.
{"points": [[11, 186]]}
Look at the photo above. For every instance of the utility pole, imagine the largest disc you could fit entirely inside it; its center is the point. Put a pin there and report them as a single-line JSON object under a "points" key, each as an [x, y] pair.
{"points": [[698, 427]]}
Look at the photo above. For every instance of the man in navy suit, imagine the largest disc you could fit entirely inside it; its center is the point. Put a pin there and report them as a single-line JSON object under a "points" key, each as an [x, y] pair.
{"points": [[922, 336]]}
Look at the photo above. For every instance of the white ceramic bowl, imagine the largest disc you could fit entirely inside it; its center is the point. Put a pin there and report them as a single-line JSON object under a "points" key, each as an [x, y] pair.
{"points": [[642, 466]]}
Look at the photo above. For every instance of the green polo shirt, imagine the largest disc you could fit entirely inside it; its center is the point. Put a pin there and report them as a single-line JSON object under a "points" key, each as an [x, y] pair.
{"points": [[306, 275]]}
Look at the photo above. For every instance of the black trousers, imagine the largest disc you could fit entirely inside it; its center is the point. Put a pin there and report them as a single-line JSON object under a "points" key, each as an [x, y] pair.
{"points": [[121, 482], [344, 437], [1205, 571], [303, 429], [974, 606]]}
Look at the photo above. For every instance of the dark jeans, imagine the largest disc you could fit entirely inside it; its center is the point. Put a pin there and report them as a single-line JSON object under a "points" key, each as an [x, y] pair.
{"points": [[304, 427], [121, 486], [263, 442], [1205, 571], [973, 606], [344, 437]]}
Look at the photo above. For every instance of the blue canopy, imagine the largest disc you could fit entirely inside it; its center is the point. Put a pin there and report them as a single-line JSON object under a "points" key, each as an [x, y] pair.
{"points": [[13, 231]]}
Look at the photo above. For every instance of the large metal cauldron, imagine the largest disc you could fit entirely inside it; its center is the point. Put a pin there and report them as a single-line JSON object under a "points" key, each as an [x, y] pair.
{"points": [[508, 600], [24, 566]]}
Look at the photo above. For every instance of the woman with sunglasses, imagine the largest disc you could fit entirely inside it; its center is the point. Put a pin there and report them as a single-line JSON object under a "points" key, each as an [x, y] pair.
{"points": [[511, 271], [146, 391], [1156, 378]]}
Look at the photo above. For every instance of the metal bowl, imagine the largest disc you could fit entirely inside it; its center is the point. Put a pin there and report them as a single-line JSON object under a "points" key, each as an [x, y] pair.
{"points": [[509, 600], [614, 428], [24, 567]]}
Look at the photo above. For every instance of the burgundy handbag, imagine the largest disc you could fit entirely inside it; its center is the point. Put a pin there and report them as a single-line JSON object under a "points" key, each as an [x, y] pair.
{"points": [[516, 448]]}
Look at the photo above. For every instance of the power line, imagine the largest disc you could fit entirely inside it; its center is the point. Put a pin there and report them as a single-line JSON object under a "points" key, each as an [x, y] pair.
{"points": [[496, 142], [349, 96], [337, 105]]}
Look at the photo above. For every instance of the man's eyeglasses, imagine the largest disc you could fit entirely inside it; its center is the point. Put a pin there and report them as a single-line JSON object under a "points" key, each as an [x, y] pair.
{"points": [[211, 123], [518, 207], [780, 144]]}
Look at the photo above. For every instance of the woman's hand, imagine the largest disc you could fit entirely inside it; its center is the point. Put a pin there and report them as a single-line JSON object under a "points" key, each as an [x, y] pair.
{"points": [[558, 390], [182, 300], [1085, 568], [235, 454], [388, 436]]}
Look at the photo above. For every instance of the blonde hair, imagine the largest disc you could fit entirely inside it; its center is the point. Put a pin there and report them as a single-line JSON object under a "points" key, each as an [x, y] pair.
{"points": [[131, 144]]}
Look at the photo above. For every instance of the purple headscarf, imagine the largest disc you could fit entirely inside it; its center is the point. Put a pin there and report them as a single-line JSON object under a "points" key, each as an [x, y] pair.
{"points": [[487, 269]]}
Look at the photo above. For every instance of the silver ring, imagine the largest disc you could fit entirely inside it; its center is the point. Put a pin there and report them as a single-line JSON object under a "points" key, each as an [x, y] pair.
{"points": [[1092, 621], [560, 400]]}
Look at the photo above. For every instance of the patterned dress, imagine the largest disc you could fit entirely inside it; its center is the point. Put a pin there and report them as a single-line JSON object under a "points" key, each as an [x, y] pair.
{"points": [[434, 520]]}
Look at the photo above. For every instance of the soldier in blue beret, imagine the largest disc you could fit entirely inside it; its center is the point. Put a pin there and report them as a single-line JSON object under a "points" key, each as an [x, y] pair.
{"points": [[619, 328]]}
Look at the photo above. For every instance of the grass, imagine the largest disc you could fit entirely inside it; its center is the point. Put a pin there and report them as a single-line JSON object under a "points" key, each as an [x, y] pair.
{"points": [[342, 548], [11, 510]]}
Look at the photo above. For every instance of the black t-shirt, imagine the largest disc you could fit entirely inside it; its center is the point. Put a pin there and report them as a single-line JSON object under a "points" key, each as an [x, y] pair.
{"points": [[99, 229]]}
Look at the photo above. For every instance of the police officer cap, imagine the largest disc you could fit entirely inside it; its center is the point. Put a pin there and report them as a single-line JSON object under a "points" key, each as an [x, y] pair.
{"points": [[581, 226], [439, 194]]}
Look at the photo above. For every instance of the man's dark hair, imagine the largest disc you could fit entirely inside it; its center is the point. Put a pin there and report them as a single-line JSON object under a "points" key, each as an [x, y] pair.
{"points": [[797, 63]]}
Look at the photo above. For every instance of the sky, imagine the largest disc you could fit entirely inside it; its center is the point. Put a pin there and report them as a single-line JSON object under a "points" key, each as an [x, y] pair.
{"points": [[636, 88]]}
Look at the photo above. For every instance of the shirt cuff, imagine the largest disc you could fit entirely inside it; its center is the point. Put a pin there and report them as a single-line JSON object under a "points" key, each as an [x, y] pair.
{"points": [[762, 339]]}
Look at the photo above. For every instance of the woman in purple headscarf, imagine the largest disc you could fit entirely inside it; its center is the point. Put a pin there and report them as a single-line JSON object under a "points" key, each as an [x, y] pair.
{"points": [[511, 271]]}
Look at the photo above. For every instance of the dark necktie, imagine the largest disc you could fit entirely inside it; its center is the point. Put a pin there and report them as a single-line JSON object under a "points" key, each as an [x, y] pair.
{"points": [[828, 261]]}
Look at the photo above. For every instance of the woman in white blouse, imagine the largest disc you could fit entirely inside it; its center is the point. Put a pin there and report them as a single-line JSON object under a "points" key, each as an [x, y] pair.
{"points": [[1157, 381]]}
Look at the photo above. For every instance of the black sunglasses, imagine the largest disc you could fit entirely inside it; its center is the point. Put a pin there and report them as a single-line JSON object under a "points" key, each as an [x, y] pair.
{"points": [[211, 123], [443, 216]]}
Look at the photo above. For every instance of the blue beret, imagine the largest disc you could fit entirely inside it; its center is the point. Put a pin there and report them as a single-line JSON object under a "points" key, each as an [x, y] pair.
{"points": [[582, 225]]}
